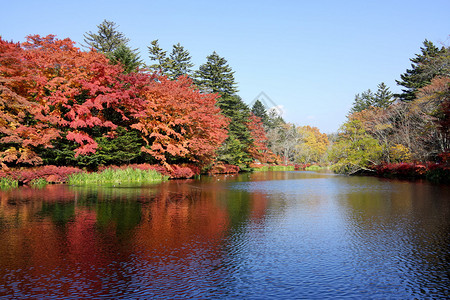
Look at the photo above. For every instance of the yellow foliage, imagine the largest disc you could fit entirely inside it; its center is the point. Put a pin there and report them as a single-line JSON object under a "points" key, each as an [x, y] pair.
{"points": [[313, 145], [400, 153]]}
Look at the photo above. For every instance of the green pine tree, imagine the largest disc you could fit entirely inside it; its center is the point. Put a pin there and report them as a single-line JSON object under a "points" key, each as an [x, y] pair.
{"points": [[235, 149], [259, 110], [383, 97], [179, 62], [275, 119], [107, 39], [216, 76], [363, 101], [159, 56], [415, 78], [129, 59]]}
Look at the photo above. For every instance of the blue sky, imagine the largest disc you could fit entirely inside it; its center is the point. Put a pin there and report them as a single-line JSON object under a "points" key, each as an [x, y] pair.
{"points": [[310, 57]]}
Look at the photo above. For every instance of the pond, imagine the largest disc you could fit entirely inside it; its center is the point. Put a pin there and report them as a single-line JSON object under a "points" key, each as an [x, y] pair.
{"points": [[267, 235]]}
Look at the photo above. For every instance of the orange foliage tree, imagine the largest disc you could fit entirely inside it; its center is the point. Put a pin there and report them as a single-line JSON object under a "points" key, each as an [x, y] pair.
{"points": [[62, 92], [21, 127], [180, 122], [52, 93], [258, 148]]}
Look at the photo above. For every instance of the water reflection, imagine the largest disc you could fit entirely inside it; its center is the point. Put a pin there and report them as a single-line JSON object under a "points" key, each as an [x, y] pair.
{"points": [[271, 235], [411, 223]]}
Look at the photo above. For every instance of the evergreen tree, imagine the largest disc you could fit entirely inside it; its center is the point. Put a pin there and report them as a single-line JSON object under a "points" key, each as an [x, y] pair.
{"points": [[438, 65], [235, 149], [275, 119], [259, 110], [107, 39], [363, 101], [179, 62], [383, 98], [216, 76], [129, 59], [158, 55], [415, 78]]}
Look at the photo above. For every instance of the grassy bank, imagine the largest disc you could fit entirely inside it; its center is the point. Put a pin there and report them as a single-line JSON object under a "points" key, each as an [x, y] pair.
{"points": [[314, 168], [117, 176], [264, 168], [7, 183], [281, 168]]}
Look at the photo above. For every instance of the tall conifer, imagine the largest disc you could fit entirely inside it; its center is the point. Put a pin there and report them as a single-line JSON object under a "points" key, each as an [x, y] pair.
{"points": [[107, 39], [216, 76], [179, 62], [259, 110], [415, 78]]}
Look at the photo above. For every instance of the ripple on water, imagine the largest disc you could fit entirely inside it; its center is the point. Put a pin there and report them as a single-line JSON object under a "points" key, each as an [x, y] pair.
{"points": [[299, 236]]}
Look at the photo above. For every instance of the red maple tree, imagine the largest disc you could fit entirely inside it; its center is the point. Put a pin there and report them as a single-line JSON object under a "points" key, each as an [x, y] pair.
{"points": [[181, 122], [50, 89], [259, 149]]}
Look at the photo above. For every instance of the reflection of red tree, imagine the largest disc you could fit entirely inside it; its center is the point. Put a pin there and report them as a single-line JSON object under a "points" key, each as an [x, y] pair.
{"points": [[178, 215], [259, 204], [180, 236]]}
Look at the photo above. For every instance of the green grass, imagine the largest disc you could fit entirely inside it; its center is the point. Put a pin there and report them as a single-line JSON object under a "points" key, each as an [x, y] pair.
{"points": [[274, 168], [39, 182], [118, 176], [281, 168], [314, 168], [261, 169], [7, 183]]}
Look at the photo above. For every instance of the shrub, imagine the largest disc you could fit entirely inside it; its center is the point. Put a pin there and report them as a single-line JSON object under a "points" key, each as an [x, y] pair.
{"points": [[431, 171], [401, 170], [220, 168], [47, 173], [179, 172], [438, 173]]}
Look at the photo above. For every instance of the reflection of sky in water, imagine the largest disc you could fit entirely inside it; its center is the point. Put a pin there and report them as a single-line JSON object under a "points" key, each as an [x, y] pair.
{"points": [[261, 235]]}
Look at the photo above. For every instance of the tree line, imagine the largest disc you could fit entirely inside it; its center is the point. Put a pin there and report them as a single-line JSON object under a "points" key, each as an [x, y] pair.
{"points": [[382, 128], [411, 126], [63, 106]]}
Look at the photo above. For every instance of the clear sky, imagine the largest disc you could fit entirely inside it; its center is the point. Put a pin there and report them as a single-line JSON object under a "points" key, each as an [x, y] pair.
{"points": [[310, 57]]}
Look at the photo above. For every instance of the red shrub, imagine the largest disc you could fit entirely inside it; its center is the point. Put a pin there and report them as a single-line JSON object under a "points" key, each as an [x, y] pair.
{"points": [[402, 170], [179, 172], [445, 158], [301, 167], [194, 168], [49, 173], [223, 169]]}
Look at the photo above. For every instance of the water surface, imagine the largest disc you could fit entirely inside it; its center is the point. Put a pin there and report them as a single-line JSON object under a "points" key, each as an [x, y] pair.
{"points": [[271, 235]]}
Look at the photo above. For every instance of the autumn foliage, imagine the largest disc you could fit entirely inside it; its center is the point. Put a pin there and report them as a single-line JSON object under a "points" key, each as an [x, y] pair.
{"points": [[49, 173], [439, 172], [52, 93], [179, 121], [259, 149]]}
